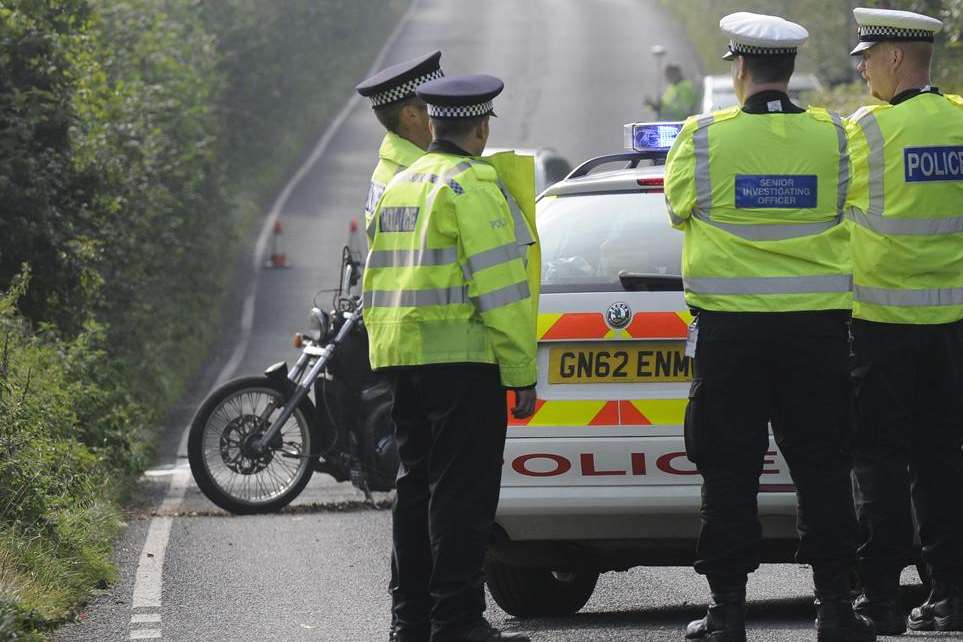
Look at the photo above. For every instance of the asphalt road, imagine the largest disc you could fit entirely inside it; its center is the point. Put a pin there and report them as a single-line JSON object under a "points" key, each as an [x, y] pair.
{"points": [[575, 71]]}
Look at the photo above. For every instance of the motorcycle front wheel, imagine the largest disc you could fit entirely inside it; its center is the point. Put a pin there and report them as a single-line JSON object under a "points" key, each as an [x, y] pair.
{"points": [[226, 467]]}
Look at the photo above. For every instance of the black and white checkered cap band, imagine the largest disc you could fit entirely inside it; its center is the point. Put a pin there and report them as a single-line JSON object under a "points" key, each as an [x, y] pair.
{"points": [[404, 90], [876, 33], [461, 111], [754, 50]]}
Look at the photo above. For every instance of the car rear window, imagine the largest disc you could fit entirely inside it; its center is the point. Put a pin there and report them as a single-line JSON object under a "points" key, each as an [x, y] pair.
{"points": [[587, 240]]}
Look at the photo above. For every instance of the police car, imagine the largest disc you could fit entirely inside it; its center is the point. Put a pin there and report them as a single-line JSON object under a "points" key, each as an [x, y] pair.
{"points": [[597, 479]]}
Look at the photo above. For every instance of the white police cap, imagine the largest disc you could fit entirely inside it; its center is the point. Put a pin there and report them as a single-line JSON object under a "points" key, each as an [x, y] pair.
{"points": [[878, 25], [755, 34]]}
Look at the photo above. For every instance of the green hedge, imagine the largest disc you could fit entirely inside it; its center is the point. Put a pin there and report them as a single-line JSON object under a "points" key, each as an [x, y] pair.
{"points": [[138, 141]]}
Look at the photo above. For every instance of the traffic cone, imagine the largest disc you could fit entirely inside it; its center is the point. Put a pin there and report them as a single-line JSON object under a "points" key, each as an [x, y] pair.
{"points": [[278, 258]]}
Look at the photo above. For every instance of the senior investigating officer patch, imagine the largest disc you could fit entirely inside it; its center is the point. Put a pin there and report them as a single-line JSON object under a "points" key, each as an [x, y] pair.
{"points": [[787, 191], [923, 164], [399, 219]]}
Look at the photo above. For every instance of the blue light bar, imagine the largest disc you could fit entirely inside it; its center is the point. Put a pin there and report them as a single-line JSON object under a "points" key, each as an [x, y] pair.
{"points": [[651, 137]]}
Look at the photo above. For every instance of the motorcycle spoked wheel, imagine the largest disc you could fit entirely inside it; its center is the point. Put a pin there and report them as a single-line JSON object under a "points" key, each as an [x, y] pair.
{"points": [[226, 468]]}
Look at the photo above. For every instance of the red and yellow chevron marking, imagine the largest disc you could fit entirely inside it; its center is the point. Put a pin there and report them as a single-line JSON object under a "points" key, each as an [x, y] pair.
{"points": [[566, 326], [592, 412]]}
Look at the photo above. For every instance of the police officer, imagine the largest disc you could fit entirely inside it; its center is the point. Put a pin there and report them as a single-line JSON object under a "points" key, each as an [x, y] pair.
{"points": [[907, 247], [404, 116], [678, 100], [758, 191], [451, 320]]}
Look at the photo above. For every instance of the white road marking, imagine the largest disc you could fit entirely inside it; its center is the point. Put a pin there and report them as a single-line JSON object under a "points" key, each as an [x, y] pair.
{"points": [[145, 618], [148, 585]]}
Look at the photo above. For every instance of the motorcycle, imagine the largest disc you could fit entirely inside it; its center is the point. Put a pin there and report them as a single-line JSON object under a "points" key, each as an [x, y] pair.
{"points": [[255, 441]]}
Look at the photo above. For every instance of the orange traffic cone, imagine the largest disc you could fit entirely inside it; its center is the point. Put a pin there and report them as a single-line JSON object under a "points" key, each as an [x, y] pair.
{"points": [[278, 258]]}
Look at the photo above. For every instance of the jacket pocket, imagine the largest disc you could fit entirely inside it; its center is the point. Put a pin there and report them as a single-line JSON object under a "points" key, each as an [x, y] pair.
{"points": [[694, 427]]}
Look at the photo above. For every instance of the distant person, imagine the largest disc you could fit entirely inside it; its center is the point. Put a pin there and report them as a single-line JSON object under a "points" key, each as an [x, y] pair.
{"points": [[758, 191], [907, 246], [405, 119], [678, 101], [451, 318], [404, 116]]}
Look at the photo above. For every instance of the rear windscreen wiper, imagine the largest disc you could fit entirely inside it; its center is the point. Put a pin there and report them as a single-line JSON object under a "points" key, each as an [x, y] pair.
{"points": [[645, 282]]}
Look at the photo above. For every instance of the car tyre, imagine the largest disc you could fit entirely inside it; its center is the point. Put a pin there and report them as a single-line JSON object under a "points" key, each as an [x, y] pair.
{"points": [[538, 592]]}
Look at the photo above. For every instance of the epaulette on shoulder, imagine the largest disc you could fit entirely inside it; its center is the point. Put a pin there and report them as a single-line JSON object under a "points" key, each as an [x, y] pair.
{"points": [[866, 110], [955, 99], [720, 115], [819, 113], [482, 171]]}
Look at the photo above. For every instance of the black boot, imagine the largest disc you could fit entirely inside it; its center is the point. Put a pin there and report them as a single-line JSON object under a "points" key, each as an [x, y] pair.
{"points": [[835, 619], [942, 610], [879, 602], [725, 620], [886, 614], [485, 632]]}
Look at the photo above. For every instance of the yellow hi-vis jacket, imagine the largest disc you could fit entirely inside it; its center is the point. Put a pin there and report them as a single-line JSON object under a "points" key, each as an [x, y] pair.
{"points": [[446, 280], [907, 206], [395, 154], [760, 199]]}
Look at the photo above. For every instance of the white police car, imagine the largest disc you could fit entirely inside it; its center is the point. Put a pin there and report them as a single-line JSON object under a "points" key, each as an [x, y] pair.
{"points": [[597, 479]]}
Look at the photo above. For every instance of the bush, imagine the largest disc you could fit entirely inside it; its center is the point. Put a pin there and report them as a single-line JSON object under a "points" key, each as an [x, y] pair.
{"points": [[136, 139], [68, 437]]}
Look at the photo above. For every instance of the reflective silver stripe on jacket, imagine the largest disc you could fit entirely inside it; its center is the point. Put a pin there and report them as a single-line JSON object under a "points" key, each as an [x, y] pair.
{"points": [[769, 231], [843, 182], [415, 298], [522, 235], [769, 284], [438, 179], [491, 258], [674, 218], [503, 296], [700, 148], [908, 298], [907, 226], [412, 258], [877, 163]]}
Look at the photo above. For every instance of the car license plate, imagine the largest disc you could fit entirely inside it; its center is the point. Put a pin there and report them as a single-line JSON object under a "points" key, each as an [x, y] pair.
{"points": [[640, 362]]}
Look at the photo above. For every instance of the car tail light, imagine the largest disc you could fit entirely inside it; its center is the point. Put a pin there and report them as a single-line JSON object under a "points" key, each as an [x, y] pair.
{"points": [[655, 184]]}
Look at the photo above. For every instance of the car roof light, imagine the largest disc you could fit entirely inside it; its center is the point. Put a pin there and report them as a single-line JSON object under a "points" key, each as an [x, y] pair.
{"points": [[650, 137]]}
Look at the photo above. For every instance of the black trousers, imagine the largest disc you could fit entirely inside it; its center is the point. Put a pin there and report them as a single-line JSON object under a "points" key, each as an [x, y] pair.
{"points": [[790, 370], [450, 424], [908, 402]]}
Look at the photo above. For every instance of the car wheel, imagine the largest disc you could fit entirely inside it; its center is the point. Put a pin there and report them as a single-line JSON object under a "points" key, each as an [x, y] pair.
{"points": [[538, 592]]}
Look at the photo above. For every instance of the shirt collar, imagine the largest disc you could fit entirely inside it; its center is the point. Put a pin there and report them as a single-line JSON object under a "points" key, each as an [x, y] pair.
{"points": [[447, 147], [771, 101], [903, 96], [399, 150]]}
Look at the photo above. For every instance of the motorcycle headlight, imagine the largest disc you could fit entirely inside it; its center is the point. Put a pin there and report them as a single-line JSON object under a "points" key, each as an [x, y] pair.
{"points": [[319, 323]]}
